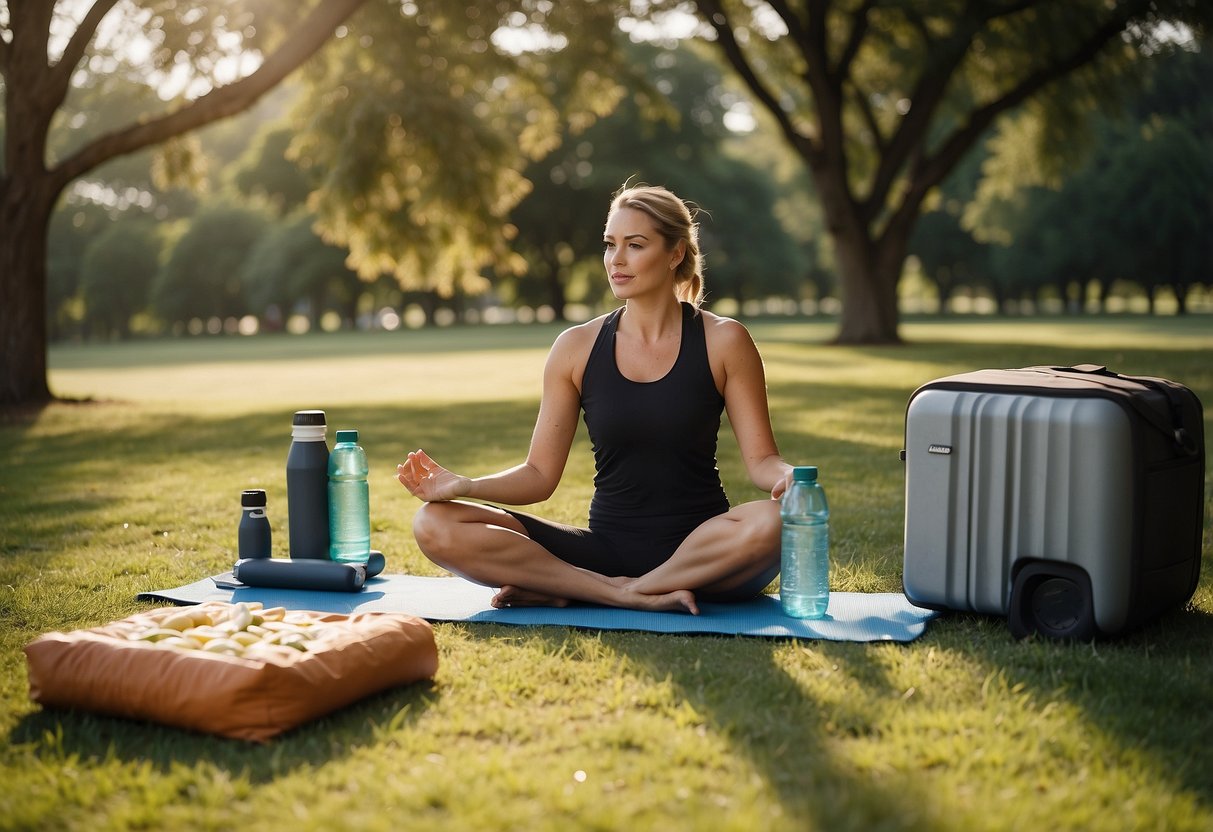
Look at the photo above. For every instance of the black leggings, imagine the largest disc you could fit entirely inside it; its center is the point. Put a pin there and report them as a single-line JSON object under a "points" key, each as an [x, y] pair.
{"points": [[622, 554]]}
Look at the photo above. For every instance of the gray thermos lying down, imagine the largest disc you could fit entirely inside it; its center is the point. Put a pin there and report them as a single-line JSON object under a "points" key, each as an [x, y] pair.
{"points": [[327, 575]]}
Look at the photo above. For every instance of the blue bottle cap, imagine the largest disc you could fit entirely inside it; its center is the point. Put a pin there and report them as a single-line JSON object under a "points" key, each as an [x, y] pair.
{"points": [[350, 436], [805, 473]]}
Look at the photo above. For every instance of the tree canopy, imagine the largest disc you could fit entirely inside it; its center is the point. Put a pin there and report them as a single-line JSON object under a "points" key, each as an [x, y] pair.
{"points": [[422, 118], [426, 124], [1136, 206]]}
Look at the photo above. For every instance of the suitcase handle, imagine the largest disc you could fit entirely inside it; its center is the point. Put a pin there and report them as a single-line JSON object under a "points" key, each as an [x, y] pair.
{"points": [[1087, 369], [1179, 434]]}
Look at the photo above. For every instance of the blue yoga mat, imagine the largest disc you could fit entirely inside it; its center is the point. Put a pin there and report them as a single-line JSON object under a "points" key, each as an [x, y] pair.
{"points": [[852, 616]]}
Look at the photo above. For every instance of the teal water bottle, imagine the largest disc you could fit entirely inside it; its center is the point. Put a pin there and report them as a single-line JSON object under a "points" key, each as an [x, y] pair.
{"points": [[804, 577], [349, 501]]}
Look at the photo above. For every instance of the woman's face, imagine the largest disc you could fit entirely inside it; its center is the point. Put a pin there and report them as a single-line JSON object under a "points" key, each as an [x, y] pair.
{"points": [[635, 256]]}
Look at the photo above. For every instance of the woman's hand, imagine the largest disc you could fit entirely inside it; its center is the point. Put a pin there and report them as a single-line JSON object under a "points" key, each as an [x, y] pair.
{"points": [[782, 485], [427, 480]]}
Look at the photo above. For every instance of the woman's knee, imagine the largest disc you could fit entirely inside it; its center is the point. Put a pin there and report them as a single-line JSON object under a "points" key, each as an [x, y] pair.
{"points": [[435, 529], [762, 529], [447, 532]]}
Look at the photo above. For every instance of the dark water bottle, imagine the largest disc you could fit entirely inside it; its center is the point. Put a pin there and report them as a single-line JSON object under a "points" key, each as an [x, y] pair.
{"points": [[804, 575], [307, 494], [349, 501], [254, 532]]}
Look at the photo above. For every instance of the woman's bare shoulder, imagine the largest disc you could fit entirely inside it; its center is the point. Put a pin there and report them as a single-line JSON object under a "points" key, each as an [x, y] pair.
{"points": [[580, 336], [571, 349], [724, 332]]}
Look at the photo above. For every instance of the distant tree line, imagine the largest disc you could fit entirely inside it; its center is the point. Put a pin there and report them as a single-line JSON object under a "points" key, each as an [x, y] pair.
{"points": [[1121, 202], [237, 236], [421, 129], [232, 233]]}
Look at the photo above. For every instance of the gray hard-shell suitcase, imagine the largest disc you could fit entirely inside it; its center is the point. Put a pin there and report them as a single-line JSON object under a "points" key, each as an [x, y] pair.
{"points": [[1069, 499]]}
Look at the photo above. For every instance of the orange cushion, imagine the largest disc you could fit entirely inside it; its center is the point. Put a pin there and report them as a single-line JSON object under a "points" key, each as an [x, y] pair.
{"points": [[351, 657]]}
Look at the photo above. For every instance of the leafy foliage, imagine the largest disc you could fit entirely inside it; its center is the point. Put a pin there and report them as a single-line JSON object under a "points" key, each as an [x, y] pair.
{"points": [[289, 263], [1137, 208], [422, 123], [116, 274], [671, 133], [202, 275]]}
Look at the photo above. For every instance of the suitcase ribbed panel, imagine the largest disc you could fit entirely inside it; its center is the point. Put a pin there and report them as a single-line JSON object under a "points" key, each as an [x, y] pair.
{"points": [[995, 477]]}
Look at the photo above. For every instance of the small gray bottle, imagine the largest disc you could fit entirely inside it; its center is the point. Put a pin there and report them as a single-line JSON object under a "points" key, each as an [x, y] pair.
{"points": [[253, 536]]}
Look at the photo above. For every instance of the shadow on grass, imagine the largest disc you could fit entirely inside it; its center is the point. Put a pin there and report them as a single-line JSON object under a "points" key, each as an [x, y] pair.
{"points": [[789, 736], [1149, 690], [89, 739], [748, 700], [1145, 695]]}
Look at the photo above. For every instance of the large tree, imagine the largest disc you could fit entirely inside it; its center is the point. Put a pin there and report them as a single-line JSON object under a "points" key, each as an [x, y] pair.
{"points": [[42, 46], [882, 98], [415, 127]]}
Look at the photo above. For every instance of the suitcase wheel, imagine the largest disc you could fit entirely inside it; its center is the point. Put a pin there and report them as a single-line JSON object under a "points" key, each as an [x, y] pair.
{"points": [[1054, 600]]}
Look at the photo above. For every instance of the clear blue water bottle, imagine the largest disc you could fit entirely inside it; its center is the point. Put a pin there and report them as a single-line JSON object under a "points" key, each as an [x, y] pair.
{"points": [[349, 501], [804, 577]]}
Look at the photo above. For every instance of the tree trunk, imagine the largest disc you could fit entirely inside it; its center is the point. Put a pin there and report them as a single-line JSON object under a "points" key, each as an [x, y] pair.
{"points": [[868, 267], [1181, 298], [1105, 292], [556, 295], [24, 215], [868, 272]]}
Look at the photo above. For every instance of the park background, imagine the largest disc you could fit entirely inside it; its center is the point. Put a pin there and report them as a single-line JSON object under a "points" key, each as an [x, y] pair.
{"points": [[396, 232]]}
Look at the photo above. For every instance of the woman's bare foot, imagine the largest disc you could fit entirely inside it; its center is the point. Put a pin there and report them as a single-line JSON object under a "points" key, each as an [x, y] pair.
{"points": [[516, 596], [682, 600], [679, 601]]}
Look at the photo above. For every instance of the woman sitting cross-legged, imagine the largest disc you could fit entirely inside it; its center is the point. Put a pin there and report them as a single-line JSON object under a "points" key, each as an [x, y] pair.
{"points": [[652, 379]]}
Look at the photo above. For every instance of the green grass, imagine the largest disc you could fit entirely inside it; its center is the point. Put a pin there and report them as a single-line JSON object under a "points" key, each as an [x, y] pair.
{"points": [[557, 729]]}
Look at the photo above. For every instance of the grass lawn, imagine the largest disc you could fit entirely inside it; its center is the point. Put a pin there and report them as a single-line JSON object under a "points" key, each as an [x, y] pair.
{"points": [[555, 729]]}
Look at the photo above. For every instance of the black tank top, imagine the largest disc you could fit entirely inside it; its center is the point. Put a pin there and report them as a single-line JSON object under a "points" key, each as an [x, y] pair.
{"points": [[654, 442]]}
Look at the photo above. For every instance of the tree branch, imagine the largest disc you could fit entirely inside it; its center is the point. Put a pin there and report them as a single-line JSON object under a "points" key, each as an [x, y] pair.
{"points": [[932, 170], [942, 63], [858, 32], [815, 48], [713, 13], [869, 117], [824, 85], [59, 78], [299, 45], [993, 12]]}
